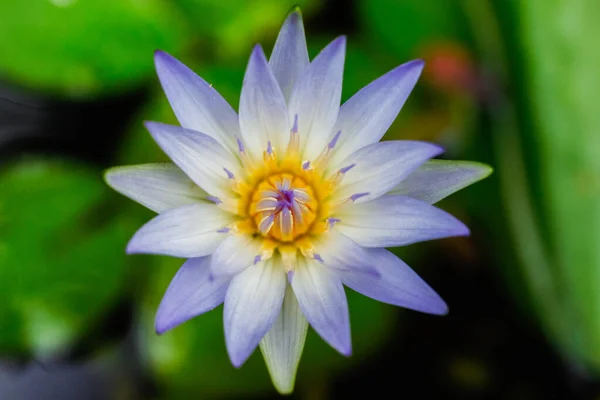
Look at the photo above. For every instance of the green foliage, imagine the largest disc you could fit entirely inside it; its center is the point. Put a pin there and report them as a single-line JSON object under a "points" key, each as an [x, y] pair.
{"points": [[58, 266], [405, 27], [85, 47], [563, 85], [232, 27]]}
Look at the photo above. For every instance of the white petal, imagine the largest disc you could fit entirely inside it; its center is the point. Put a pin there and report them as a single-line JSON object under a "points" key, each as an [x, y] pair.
{"points": [[263, 113], [316, 97], [187, 231], [396, 221], [367, 115], [290, 56], [282, 346], [395, 284], [252, 304], [323, 301], [196, 104], [379, 167], [191, 292], [201, 157], [438, 179], [340, 253], [234, 254], [160, 187]]}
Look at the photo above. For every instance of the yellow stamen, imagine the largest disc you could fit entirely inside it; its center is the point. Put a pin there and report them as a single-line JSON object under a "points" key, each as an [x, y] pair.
{"points": [[284, 201]]}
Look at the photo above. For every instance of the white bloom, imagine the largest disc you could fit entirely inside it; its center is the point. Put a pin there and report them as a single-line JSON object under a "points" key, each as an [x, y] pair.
{"points": [[280, 206]]}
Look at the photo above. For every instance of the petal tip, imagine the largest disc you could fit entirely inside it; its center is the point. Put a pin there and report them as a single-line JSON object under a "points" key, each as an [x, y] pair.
{"points": [[109, 176], [257, 51], [416, 64], [439, 307], [133, 247], [346, 350], [150, 125], [284, 391], [295, 14], [160, 53], [463, 230], [237, 354], [445, 310], [485, 171], [436, 150], [340, 42], [161, 58], [160, 327], [156, 129], [237, 359]]}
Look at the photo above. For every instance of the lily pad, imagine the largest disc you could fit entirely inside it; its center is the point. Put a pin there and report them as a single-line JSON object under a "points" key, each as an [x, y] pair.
{"points": [[85, 47], [61, 257]]}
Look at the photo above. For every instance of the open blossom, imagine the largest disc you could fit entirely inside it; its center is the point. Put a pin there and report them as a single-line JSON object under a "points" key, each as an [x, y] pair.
{"points": [[280, 206]]}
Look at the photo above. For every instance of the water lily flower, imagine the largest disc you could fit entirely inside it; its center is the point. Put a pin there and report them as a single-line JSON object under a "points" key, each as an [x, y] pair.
{"points": [[278, 207]]}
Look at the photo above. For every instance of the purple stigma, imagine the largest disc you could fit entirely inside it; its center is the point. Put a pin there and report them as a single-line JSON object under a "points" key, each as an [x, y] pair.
{"points": [[214, 199], [223, 230], [230, 174], [290, 276], [269, 148], [333, 142], [346, 169], [318, 258], [257, 259], [306, 165], [357, 196], [332, 221], [285, 199], [240, 145], [295, 126]]}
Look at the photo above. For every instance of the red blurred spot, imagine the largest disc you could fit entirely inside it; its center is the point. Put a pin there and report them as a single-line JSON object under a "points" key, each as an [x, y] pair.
{"points": [[449, 67]]}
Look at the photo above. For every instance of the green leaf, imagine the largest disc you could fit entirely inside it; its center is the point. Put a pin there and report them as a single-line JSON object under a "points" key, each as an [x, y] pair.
{"points": [[563, 86], [85, 47], [61, 258]]}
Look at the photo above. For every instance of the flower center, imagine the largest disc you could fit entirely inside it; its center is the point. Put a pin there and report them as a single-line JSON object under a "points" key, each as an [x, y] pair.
{"points": [[283, 207]]}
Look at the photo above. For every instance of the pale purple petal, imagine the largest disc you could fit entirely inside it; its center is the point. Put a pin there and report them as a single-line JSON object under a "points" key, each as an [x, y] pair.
{"points": [[234, 254], [201, 157], [290, 57], [316, 97], [160, 187], [263, 113], [339, 252], [437, 179], [191, 292], [396, 284], [366, 116], [282, 346], [396, 221], [322, 299], [379, 167], [196, 104], [252, 304], [187, 231]]}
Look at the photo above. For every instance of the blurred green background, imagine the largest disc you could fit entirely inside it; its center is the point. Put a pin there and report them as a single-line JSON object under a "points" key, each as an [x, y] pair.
{"points": [[511, 83]]}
